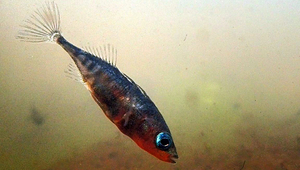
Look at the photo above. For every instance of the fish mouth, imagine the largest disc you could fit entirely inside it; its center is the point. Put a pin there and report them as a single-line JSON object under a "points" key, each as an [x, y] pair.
{"points": [[173, 158]]}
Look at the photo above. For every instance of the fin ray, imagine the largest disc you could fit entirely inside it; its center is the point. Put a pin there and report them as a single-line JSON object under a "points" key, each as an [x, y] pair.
{"points": [[73, 73], [106, 52], [43, 25]]}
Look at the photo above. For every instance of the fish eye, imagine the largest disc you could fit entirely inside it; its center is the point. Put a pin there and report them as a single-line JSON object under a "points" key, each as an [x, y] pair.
{"points": [[163, 141]]}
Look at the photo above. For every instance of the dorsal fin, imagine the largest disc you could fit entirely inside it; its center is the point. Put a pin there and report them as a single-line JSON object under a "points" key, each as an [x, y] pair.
{"points": [[107, 52]]}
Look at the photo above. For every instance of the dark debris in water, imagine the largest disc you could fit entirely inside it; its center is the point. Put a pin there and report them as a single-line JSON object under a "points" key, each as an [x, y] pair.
{"points": [[36, 117], [236, 106], [192, 98], [113, 155]]}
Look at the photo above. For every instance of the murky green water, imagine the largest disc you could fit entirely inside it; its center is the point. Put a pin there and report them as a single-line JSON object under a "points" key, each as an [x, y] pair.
{"points": [[224, 74]]}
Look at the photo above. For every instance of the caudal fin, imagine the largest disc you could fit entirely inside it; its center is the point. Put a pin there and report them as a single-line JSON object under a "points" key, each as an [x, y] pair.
{"points": [[42, 26]]}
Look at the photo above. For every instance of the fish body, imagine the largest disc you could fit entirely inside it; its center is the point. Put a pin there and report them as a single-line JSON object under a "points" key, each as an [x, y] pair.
{"points": [[124, 102]]}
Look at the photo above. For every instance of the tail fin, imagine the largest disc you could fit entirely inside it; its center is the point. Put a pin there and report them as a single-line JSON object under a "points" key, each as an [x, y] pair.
{"points": [[42, 26]]}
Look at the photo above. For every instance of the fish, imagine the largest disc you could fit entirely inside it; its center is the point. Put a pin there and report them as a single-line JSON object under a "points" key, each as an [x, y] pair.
{"points": [[123, 101]]}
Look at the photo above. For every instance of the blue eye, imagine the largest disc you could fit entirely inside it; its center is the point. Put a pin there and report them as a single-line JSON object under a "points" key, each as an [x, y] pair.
{"points": [[163, 141]]}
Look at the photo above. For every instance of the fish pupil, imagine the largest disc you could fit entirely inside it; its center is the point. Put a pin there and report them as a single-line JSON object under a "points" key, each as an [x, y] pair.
{"points": [[165, 142]]}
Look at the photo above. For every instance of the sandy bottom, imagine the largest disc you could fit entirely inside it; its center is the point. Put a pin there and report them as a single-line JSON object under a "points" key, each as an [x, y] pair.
{"points": [[121, 155]]}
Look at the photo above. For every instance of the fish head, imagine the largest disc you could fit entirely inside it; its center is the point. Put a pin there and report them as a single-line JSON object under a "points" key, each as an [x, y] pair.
{"points": [[156, 139]]}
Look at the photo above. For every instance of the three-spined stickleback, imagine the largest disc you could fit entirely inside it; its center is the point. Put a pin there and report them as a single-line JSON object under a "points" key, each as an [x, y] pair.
{"points": [[124, 102]]}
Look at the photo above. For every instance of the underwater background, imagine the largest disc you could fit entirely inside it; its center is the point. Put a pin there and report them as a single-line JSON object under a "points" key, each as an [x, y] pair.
{"points": [[224, 74]]}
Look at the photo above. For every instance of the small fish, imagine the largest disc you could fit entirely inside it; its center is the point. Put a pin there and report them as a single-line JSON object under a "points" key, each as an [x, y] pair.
{"points": [[124, 102]]}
